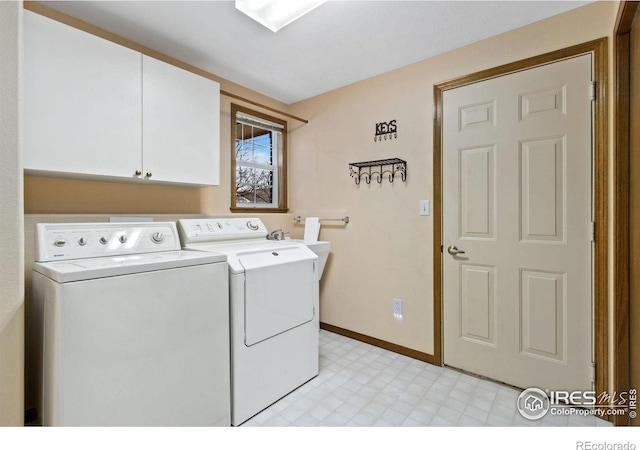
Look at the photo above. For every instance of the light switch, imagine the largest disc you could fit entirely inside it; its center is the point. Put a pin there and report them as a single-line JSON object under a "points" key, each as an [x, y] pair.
{"points": [[425, 207]]}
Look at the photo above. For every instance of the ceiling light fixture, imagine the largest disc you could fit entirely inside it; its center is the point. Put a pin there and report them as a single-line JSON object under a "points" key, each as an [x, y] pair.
{"points": [[276, 14]]}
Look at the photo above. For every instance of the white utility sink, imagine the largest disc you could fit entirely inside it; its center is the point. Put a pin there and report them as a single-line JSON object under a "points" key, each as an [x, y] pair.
{"points": [[320, 248]]}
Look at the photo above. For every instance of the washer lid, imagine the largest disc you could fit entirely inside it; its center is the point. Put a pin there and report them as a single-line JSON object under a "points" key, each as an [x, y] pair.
{"points": [[111, 266]]}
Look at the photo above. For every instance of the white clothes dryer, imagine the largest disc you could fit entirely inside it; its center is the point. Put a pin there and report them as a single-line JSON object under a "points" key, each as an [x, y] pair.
{"points": [[274, 309], [135, 331]]}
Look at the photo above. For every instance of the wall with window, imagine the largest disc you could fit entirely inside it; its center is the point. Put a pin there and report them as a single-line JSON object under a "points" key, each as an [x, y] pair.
{"points": [[386, 250], [45, 195]]}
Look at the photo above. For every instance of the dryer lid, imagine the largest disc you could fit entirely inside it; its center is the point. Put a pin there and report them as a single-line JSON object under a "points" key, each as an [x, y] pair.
{"points": [[257, 259]]}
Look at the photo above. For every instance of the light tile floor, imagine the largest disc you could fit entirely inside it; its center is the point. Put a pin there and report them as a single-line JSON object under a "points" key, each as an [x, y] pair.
{"points": [[360, 385]]}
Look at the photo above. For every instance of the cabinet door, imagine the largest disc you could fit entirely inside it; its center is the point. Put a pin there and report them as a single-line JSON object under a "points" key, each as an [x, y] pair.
{"points": [[82, 102], [181, 125]]}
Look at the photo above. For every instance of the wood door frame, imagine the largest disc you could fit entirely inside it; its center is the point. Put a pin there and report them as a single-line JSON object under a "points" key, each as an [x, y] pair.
{"points": [[597, 48], [621, 202]]}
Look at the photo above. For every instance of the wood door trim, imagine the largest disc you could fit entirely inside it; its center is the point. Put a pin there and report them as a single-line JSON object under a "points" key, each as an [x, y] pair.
{"points": [[621, 201], [598, 48]]}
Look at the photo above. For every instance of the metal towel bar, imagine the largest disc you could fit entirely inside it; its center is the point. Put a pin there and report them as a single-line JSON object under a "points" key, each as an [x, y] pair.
{"points": [[345, 219]]}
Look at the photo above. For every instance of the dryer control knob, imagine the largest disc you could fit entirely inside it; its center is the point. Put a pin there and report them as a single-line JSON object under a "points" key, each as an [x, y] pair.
{"points": [[60, 242], [103, 240], [82, 241], [157, 237], [123, 238], [252, 226]]}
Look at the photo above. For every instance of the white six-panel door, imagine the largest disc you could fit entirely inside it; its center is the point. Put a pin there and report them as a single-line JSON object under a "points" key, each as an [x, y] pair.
{"points": [[517, 200]]}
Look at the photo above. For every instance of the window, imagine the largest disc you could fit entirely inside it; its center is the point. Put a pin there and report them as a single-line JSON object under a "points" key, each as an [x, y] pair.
{"points": [[258, 163]]}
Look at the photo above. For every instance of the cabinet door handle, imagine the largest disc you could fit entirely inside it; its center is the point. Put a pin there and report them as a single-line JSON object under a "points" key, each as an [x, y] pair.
{"points": [[149, 174], [138, 173]]}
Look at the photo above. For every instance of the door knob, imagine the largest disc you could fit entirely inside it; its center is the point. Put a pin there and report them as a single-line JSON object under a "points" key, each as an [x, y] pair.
{"points": [[453, 250]]}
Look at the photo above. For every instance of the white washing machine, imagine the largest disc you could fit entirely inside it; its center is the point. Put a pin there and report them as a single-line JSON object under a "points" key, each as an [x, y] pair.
{"points": [[274, 309], [135, 331]]}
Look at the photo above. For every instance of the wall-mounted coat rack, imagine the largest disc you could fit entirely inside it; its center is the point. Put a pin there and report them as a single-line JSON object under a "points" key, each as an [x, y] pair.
{"points": [[379, 169]]}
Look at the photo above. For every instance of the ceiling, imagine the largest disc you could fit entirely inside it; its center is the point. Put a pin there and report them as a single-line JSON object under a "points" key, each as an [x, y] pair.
{"points": [[338, 43]]}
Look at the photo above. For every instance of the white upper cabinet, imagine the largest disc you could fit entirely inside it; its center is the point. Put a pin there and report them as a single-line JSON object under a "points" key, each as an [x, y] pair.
{"points": [[181, 117], [93, 109], [81, 102]]}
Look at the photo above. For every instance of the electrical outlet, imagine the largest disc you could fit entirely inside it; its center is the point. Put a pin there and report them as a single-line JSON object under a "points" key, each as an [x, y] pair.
{"points": [[425, 207], [397, 308]]}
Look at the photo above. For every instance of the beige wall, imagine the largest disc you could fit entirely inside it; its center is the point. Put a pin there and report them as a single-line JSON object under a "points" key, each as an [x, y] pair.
{"points": [[386, 251], [11, 231]]}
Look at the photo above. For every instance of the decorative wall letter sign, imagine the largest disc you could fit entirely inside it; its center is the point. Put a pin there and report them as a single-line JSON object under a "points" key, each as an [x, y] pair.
{"points": [[386, 130]]}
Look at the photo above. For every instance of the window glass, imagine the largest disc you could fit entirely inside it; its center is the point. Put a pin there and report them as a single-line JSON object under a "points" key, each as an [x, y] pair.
{"points": [[259, 157]]}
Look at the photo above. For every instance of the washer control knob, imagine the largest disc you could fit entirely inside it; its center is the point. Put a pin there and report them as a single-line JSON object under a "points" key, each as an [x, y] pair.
{"points": [[82, 241], [122, 238], [103, 240], [157, 237], [60, 242], [252, 226]]}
